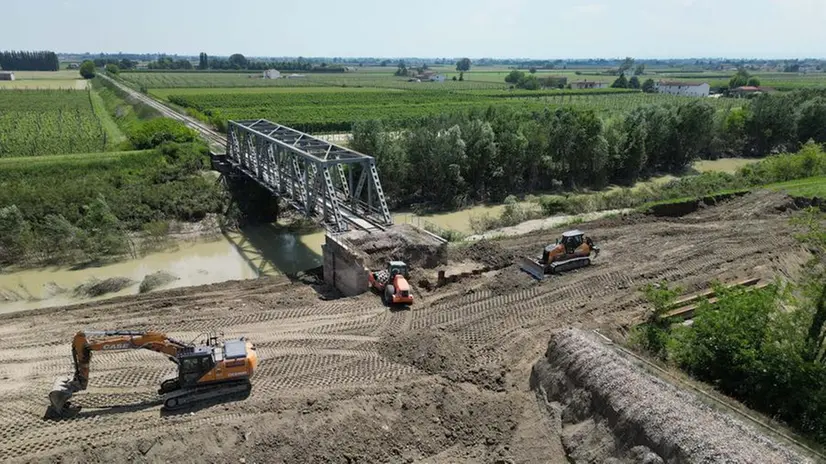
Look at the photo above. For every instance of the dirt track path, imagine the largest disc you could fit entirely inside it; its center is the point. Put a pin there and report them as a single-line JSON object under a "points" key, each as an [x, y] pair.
{"points": [[326, 389]]}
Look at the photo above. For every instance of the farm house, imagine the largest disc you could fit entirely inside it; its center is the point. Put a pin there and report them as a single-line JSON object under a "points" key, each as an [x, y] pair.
{"points": [[686, 89], [6, 76]]}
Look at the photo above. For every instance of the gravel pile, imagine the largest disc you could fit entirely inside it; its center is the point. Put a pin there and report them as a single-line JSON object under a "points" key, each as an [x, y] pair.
{"points": [[586, 377]]}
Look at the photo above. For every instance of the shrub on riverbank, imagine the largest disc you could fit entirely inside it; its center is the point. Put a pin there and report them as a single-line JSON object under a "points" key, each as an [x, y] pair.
{"points": [[82, 208]]}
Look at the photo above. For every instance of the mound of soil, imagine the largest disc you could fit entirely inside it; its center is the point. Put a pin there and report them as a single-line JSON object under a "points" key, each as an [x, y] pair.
{"points": [[96, 287], [156, 280], [441, 353], [402, 242], [487, 252]]}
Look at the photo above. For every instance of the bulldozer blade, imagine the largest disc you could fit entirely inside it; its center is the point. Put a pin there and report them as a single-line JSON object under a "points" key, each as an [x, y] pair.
{"points": [[536, 270]]}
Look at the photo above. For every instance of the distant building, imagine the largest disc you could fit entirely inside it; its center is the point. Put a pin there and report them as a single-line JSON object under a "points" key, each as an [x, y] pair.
{"points": [[6, 76], [73, 66], [437, 78], [686, 89], [295, 76], [349, 69], [586, 84], [272, 74]]}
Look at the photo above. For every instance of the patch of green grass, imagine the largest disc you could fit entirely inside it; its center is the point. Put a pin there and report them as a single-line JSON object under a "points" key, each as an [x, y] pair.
{"points": [[114, 136], [810, 187]]}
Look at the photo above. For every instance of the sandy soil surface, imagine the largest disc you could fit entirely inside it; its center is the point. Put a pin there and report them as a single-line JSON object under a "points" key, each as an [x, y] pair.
{"points": [[347, 380]]}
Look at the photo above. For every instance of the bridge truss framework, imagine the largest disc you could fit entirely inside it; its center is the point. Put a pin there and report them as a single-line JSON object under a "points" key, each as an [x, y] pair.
{"points": [[335, 185]]}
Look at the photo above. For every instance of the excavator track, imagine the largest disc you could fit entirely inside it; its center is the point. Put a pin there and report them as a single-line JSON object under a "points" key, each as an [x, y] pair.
{"points": [[186, 397]]}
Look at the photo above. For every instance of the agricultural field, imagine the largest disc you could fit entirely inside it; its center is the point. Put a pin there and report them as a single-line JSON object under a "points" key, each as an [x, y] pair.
{"points": [[49, 122], [317, 110], [45, 80], [156, 80]]}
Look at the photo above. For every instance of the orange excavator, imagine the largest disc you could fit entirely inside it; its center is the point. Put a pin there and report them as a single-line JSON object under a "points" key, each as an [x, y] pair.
{"points": [[572, 251], [392, 284], [211, 370]]}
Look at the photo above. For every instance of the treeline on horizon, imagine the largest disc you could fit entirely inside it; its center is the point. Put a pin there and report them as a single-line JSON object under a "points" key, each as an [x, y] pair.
{"points": [[488, 154], [29, 61]]}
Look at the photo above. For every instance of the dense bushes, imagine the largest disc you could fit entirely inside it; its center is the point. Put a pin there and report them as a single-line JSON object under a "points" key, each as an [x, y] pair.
{"points": [[762, 346], [152, 133], [71, 210], [488, 154]]}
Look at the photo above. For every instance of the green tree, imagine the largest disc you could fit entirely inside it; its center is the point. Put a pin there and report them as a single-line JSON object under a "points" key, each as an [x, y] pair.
{"points": [[203, 61], [740, 79], [105, 233], [812, 122], [648, 86], [15, 235], [461, 76], [514, 77], [620, 83], [463, 64], [532, 70], [627, 64], [754, 82], [634, 82], [771, 124], [87, 69], [112, 68], [238, 61], [640, 69]]}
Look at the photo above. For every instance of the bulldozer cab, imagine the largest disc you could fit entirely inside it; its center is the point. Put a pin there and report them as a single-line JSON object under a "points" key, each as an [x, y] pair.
{"points": [[397, 267], [572, 240]]}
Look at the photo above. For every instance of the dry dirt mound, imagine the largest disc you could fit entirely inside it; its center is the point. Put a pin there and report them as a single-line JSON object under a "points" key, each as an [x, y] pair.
{"points": [[487, 252], [598, 389], [402, 242], [441, 353]]}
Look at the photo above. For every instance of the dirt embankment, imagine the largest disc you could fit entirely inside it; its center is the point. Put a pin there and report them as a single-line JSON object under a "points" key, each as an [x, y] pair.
{"points": [[610, 409]]}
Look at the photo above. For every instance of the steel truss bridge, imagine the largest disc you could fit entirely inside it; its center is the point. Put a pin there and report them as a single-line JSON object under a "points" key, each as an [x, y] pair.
{"points": [[337, 186]]}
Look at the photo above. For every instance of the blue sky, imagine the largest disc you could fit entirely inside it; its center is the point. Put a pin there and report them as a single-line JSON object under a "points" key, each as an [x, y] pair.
{"points": [[433, 28]]}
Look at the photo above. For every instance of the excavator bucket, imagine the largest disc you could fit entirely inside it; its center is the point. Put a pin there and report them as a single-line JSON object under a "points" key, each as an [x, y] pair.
{"points": [[535, 269], [59, 396]]}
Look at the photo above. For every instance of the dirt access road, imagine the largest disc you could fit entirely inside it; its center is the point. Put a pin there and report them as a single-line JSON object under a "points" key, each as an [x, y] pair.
{"points": [[348, 380]]}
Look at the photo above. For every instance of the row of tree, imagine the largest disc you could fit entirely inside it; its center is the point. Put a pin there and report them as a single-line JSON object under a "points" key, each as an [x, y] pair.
{"points": [[490, 154], [29, 61]]}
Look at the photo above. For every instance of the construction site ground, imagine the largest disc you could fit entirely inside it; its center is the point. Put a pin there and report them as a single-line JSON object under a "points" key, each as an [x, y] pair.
{"points": [[350, 380]]}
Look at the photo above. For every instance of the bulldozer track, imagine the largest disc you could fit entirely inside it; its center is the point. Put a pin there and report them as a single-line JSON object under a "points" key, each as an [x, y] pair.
{"points": [[310, 348]]}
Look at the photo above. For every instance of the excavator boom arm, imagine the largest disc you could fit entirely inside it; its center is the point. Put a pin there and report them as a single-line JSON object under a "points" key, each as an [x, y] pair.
{"points": [[85, 342]]}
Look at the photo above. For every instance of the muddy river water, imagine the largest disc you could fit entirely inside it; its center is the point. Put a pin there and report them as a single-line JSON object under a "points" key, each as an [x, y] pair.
{"points": [[258, 251]]}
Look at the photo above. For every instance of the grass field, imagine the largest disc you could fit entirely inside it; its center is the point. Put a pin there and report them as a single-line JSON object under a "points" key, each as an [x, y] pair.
{"points": [[45, 80], [48, 122], [810, 187]]}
